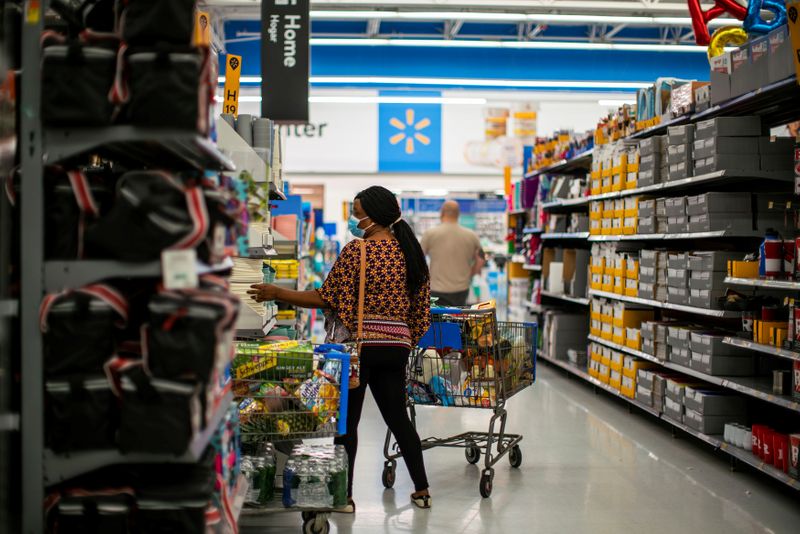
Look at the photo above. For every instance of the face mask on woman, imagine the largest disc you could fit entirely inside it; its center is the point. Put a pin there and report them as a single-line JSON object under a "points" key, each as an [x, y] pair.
{"points": [[352, 225]]}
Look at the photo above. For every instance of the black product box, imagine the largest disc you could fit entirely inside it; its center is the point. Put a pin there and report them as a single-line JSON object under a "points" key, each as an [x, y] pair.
{"points": [[677, 278], [647, 208], [713, 280], [777, 162], [723, 365], [680, 135], [649, 162], [728, 127], [783, 146], [709, 424], [742, 79], [675, 207], [719, 222], [759, 58], [678, 225], [678, 295], [677, 260], [714, 261], [679, 171], [649, 177], [720, 78], [712, 343], [647, 225], [678, 336], [644, 395], [711, 401], [705, 298], [680, 356], [727, 162], [781, 62], [647, 291], [679, 153], [644, 378], [673, 410], [716, 202], [651, 145], [706, 148]]}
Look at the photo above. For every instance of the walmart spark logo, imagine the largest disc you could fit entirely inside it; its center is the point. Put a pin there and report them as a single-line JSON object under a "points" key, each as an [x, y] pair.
{"points": [[410, 135], [410, 131]]}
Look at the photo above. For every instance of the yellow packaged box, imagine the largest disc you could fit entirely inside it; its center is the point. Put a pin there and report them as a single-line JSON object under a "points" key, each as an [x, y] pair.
{"points": [[615, 379], [624, 317], [619, 285], [593, 368], [633, 338], [777, 337], [630, 226], [618, 335], [606, 227], [595, 227], [632, 269], [595, 327], [617, 361], [607, 331], [628, 387], [597, 281], [606, 357], [763, 330], [604, 374], [631, 287], [743, 269], [632, 365]]}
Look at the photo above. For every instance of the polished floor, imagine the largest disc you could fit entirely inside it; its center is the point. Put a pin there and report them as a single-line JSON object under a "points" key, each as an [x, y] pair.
{"points": [[588, 466]]}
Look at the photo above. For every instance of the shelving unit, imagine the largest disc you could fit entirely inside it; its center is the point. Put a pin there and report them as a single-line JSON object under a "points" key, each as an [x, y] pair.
{"points": [[722, 314], [752, 387], [789, 285], [58, 468], [765, 349], [566, 298], [577, 163], [572, 235], [673, 237], [715, 441]]}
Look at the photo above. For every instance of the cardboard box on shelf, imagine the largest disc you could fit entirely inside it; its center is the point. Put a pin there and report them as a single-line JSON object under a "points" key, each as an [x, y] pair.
{"points": [[794, 455], [673, 410], [728, 127], [743, 269], [762, 330], [645, 396], [759, 58], [722, 365], [615, 380], [633, 338], [706, 148], [711, 342], [680, 170], [796, 379], [705, 298], [680, 135], [709, 424], [713, 401], [712, 260], [680, 356], [742, 79], [712, 280], [720, 78], [678, 277], [644, 378], [628, 388], [617, 361], [726, 162], [719, 222], [678, 295], [781, 61]]}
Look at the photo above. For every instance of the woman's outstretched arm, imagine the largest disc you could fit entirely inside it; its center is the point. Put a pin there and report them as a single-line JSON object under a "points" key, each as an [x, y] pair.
{"points": [[303, 299]]}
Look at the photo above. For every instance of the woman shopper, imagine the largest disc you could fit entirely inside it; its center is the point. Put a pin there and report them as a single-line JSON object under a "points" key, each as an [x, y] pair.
{"points": [[396, 315]]}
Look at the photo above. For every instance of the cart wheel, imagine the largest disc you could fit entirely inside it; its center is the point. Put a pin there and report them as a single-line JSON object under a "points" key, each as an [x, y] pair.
{"points": [[515, 456], [389, 475], [316, 525], [308, 516], [472, 453], [486, 485]]}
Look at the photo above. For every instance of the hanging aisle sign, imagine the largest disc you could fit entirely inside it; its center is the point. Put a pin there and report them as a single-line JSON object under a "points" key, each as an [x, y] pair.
{"points": [[285, 60], [233, 69]]}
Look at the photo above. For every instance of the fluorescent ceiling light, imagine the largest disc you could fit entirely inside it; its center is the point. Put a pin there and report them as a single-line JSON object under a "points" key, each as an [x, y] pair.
{"points": [[613, 103], [450, 100], [527, 45], [512, 17], [475, 82], [460, 82]]}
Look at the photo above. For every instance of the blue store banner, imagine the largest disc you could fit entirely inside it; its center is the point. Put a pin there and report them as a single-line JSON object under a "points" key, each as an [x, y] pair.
{"points": [[410, 135]]}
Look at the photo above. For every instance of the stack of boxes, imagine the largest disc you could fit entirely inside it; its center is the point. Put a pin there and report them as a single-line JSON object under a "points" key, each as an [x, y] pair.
{"points": [[736, 143], [679, 152], [613, 270], [618, 322], [707, 409], [707, 277], [652, 161], [654, 339], [678, 343], [653, 275], [713, 357], [677, 279], [647, 216], [630, 371], [674, 391], [651, 388]]}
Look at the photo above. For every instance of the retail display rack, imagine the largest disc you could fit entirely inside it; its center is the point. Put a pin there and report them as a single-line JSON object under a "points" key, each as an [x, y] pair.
{"points": [[619, 286]]}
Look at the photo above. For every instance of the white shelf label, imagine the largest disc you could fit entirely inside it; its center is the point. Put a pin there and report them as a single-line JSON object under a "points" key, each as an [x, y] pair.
{"points": [[179, 268]]}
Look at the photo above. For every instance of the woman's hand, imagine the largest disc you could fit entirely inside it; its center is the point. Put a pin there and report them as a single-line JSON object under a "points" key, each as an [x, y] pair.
{"points": [[263, 292]]}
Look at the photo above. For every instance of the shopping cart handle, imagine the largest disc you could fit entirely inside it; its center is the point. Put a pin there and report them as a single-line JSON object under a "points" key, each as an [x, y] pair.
{"points": [[328, 347], [446, 311]]}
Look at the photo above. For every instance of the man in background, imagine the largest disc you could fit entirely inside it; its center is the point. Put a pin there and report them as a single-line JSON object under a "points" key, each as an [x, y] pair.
{"points": [[455, 256]]}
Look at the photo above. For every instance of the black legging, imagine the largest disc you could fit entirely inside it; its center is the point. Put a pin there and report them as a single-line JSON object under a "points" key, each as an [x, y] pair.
{"points": [[384, 370]]}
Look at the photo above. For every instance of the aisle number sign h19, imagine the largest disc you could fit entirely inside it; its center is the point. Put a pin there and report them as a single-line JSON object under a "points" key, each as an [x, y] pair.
{"points": [[285, 60], [233, 70]]}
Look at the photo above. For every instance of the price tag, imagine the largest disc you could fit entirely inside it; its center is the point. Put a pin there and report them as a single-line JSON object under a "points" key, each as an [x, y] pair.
{"points": [[179, 268]]}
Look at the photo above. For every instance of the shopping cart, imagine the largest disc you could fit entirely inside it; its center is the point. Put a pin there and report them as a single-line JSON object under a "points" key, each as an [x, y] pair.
{"points": [[289, 392], [468, 359]]}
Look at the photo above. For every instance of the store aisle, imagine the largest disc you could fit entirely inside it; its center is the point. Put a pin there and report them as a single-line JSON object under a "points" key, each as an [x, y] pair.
{"points": [[588, 466]]}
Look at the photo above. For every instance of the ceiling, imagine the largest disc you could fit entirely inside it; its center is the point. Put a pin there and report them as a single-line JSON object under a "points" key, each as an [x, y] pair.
{"points": [[659, 22]]}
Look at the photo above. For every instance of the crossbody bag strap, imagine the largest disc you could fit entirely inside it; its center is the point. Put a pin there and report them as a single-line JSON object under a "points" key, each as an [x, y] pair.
{"points": [[362, 282]]}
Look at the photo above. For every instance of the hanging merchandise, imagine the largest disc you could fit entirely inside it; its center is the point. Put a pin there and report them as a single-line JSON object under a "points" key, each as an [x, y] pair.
{"points": [[754, 23], [701, 18], [149, 22], [153, 211], [724, 37]]}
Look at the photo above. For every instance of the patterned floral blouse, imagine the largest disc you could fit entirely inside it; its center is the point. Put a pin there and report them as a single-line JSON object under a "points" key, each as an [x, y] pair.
{"points": [[391, 315]]}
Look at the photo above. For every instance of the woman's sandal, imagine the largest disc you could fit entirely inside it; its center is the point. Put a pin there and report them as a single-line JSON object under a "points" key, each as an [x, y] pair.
{"points": [[349, 509], [423, 501]]}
